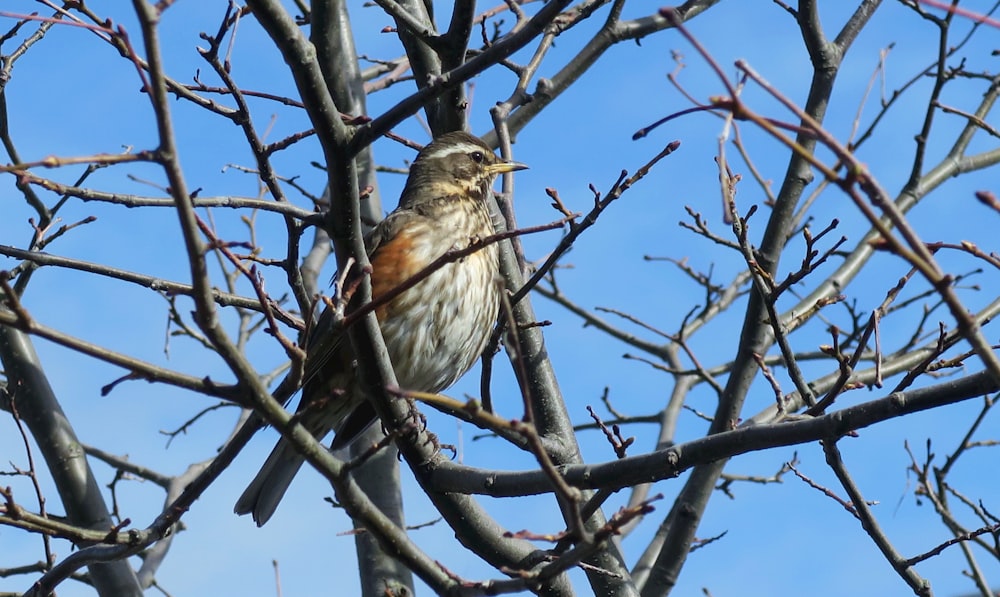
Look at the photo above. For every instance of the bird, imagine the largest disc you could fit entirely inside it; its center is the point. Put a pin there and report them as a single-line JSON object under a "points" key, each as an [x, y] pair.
{"points": [[434, 331]]}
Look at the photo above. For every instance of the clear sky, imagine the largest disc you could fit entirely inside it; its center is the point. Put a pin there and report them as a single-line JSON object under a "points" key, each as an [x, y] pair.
{"points": [[72, 95]]}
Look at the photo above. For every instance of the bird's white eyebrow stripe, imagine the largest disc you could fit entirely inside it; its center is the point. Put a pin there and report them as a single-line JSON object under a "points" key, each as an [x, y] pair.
{"points": [[452, 149]]}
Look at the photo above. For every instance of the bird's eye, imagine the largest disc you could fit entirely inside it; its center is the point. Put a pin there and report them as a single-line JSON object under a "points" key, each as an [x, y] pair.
{"points": [[477, 157]]}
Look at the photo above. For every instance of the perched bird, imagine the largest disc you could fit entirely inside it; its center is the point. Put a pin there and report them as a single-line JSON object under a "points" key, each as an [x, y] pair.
{"points": [[434, 331]]}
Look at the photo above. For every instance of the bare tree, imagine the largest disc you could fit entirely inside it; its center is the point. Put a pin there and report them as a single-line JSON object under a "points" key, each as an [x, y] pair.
{"points": [[817, 275]]}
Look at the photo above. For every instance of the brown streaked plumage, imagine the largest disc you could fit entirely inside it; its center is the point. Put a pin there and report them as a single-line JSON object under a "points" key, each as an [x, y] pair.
{"points": [[434, 331]]}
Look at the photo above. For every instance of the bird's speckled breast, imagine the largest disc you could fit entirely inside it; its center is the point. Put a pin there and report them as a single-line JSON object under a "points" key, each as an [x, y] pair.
{"points": [[451, 304]]}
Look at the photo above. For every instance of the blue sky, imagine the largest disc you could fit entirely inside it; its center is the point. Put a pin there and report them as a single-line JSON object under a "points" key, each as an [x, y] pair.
{"points": [[72, 95]]}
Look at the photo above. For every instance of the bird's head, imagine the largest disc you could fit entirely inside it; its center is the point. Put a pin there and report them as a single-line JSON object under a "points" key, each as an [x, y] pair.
{"points": [[454, 165]]}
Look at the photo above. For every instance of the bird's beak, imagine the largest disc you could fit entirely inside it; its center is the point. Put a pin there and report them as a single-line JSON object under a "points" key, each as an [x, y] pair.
{"points": [[504, 167]]}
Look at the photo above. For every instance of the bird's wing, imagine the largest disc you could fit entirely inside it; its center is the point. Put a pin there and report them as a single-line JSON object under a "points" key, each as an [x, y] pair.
{"points": [[327, 341], [326, 347], [385, 230]]}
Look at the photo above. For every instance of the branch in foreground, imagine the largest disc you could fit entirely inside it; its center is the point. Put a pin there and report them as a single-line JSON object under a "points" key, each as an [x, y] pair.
{"points": [[903, 567], [669, 463], [138, 369], [223, 299]]}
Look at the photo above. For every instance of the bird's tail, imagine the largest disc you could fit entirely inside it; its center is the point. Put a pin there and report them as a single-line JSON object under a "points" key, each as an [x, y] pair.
{"points": [[262, 496], [346, 412]]}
